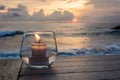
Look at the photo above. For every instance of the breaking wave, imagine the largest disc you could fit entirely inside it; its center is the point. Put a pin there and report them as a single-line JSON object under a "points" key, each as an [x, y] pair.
{"points": [[9, 55], [94, 33], [108, 50], [10, 33]]}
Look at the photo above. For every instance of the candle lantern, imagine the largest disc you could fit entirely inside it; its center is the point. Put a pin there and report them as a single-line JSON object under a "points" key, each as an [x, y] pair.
{"points": [[38, 49]]}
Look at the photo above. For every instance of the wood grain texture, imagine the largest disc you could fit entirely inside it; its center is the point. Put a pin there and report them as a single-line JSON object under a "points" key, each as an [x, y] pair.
{"points": [[76, 76], [9, 69], [77, 68]]}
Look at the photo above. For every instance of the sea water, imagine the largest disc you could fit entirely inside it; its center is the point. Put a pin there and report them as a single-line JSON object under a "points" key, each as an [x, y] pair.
{"points": [[73, 39]]}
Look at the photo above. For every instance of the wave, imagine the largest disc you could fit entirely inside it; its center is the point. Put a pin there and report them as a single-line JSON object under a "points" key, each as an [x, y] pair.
{"points": [[91, 33], [9, 55], [113, 32], [86, 33], [108, 50], [10, 33]]}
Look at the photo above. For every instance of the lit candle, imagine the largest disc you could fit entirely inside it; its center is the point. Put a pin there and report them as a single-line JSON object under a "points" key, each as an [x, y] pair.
{"points": [[38, 48], [38, 52]]}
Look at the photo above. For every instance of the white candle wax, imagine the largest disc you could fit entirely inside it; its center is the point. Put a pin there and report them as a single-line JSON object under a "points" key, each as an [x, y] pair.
{"points": [[38, 49], [38, 54]]}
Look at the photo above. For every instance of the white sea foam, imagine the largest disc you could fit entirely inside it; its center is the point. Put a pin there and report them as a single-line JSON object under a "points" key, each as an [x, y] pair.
{"points": [[3, 33], [9, 33], [9, 54], [107, 50]]}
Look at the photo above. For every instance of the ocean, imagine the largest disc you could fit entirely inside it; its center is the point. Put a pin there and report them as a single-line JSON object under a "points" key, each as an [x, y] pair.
{"points": [[73, 39]]}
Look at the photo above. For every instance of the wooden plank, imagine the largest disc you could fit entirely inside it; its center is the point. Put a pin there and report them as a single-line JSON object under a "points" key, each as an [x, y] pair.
{"points": [[3, 63], [86, 63], [77, 68], [72, 69], [9, 69], [89, 58], [63, 61], [112, 75]]}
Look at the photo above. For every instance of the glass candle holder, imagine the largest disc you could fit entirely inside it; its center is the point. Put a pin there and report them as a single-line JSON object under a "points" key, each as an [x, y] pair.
{"points": [[38, 49]]}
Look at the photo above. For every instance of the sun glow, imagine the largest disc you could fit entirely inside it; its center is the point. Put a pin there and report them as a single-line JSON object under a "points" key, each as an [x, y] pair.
{"points": [[74, 20]]}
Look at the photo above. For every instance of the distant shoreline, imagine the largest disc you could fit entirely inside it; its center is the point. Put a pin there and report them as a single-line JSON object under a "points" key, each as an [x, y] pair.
{"points": [[116, 27]]}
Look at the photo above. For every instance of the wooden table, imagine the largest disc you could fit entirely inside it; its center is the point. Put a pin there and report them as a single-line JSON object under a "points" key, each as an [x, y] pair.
{"points": [[9, 69], [76, 68]]}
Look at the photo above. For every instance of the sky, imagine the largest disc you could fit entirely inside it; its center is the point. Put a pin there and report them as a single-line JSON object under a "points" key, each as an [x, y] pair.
{"points": [[60, 10]]}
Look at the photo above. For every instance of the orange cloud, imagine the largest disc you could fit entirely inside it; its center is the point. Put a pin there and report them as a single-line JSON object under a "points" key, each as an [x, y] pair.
{"points": [[77, 7]]}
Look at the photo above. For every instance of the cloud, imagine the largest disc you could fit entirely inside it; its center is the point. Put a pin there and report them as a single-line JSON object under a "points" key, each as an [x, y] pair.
{"points": [[58, 16], [2, 7], [89, 11], [43, 0], [20, 7], [76, 7], [14, 15], [55, 16], [103, 11], [40, 13], [20, 13], [105, 3]]}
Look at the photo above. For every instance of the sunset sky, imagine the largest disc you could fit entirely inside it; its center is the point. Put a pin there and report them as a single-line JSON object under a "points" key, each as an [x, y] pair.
{"points": [[60, 10]]}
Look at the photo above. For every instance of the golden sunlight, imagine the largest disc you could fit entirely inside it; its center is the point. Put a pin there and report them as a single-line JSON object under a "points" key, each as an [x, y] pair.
{"points": [[75, 20], [67, 42]]}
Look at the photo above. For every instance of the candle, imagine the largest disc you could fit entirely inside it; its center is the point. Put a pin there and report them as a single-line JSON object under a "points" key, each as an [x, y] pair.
{"points": [[37, 61], [38, 52], [38, 48]]}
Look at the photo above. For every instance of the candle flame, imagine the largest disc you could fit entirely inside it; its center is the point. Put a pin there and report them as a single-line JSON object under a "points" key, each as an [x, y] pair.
{"points": [[37, 37]]}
